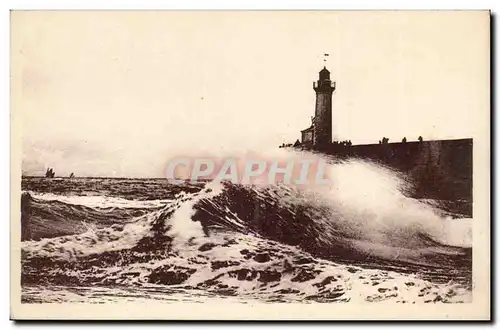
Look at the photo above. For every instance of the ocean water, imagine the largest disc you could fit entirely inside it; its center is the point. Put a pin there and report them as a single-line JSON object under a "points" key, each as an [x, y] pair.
{"points": [[362, 238]]}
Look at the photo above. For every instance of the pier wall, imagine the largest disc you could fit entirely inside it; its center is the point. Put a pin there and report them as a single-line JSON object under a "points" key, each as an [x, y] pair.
{"points": [[440, 169]]}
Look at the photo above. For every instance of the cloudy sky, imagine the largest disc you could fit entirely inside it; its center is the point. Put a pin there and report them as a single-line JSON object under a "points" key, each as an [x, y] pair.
{"points": [[121, 93]]}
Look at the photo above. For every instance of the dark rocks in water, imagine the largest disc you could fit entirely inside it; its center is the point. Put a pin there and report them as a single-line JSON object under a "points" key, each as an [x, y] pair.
{"points": [[168, 278], [267, 276], [247, 254], [352, 270], [206, 247], [244, 274], [165, 275], [382, 290], [224, 264], [210, 282], [153, 243], [305, 275], [264, 276], [263, 257]]}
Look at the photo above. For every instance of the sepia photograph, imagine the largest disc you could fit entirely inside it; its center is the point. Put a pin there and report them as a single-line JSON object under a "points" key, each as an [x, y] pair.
{"points": [[250, 165]]}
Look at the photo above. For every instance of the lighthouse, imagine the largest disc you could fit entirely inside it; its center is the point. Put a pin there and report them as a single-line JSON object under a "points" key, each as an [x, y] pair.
{"points": [[322, 121]]}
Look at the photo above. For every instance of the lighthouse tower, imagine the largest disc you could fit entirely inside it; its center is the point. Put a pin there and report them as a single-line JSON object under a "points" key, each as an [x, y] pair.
{"points": [[323, 115]]}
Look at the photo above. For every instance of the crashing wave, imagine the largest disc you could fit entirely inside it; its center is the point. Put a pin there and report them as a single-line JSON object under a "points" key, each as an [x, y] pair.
{"points": [[360, 238]]}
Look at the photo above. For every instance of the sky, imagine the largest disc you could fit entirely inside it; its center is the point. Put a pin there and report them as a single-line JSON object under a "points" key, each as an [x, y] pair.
{"points": [[121, 93]]}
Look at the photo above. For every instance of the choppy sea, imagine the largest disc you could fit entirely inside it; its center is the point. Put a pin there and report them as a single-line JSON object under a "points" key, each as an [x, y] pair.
{"points": [[363, 237]]}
